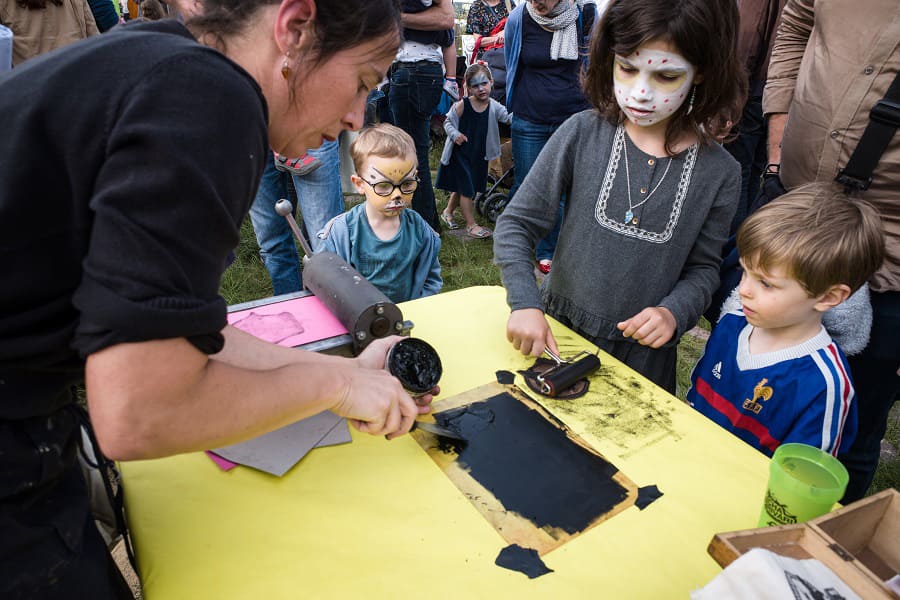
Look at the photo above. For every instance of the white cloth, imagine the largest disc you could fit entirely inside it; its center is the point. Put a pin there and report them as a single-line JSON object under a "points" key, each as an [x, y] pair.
{"points": [[764, 575], [563, 22], [414, 52]]}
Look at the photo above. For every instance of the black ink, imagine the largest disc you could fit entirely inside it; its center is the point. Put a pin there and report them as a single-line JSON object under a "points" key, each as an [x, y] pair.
{"points": [[505, 377], [525, 560], [530, 465], [416, 364], [647, 495]]}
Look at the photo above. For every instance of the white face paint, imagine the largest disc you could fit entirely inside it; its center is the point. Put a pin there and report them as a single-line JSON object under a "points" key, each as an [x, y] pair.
{"points": [[651, 84]]}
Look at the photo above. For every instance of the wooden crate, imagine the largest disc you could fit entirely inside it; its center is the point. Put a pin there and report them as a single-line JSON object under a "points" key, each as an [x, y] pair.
{"points": [[860, 543]]}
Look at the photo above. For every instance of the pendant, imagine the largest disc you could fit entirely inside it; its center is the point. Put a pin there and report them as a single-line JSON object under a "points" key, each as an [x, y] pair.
{"points": [[629, 216]]}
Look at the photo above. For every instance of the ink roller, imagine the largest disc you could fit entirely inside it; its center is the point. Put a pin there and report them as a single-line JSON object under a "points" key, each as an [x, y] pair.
{"points": [[566, 373], [360, 307]]}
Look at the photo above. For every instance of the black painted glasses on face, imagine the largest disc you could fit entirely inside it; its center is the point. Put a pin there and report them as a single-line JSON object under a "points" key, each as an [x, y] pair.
{"points": [[386, 188]]}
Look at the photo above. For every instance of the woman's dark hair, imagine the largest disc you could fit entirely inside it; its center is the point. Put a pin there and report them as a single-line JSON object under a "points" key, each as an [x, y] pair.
{"points": [[705, 32], [339, 24], [37, 4]]}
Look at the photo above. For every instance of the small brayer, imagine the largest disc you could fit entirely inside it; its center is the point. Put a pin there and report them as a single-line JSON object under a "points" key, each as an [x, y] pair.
{"points": [[566, 373]]}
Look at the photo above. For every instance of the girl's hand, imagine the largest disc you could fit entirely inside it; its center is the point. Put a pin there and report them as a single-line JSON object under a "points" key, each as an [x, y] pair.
{"points": [[653, 326], [461, 139], [529, 332]]}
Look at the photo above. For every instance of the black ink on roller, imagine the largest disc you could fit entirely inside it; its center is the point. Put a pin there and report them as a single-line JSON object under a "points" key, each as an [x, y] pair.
{"points": [[416, 364]]}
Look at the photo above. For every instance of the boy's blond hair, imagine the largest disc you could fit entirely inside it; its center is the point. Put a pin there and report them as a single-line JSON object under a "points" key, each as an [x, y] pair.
{"points": [[818, 234], [383, 140]]}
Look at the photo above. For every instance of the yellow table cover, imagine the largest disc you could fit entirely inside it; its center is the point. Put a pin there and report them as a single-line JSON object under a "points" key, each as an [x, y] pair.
{"points": [[379, 519]]}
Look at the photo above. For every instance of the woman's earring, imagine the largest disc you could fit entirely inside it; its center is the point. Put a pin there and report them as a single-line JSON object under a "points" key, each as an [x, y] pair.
{"points": [[286, 67], [690, 100]]}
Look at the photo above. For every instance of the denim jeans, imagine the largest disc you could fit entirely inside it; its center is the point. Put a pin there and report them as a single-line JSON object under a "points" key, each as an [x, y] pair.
{"points": [[320, 199], [415, 92], [877, 386], [528, 139], [749, 149]]}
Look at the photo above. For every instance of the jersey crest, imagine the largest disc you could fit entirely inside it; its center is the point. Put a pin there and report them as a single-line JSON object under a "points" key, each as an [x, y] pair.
{"points": [[760, 392]]}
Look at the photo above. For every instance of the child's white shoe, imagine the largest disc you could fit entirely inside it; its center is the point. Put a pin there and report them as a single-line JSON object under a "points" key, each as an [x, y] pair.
{"points": [[452, 88]]}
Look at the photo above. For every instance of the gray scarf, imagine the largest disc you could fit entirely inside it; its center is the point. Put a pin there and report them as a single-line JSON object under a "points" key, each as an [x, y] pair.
{"points": [[563, 22]]}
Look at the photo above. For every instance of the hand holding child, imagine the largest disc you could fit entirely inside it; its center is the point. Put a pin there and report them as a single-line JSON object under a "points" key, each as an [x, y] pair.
{"points": [[653, 326], [529, 332]]}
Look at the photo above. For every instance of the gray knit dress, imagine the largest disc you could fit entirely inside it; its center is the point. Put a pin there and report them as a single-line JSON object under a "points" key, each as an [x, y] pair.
{"points": [[607, 267]]}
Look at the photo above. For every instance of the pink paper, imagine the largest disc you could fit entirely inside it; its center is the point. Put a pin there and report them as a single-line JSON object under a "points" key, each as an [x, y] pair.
{"points": [[222, 463], [290, 322]]}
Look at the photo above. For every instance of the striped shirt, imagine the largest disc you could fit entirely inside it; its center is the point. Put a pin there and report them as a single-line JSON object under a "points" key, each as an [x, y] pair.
{"points": [[799, 394]]}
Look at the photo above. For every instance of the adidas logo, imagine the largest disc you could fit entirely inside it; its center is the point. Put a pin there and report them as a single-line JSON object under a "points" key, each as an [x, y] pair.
{"points": [[717, 370]]}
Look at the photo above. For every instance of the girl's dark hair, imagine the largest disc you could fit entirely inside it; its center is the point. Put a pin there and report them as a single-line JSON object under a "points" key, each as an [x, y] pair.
{"points": [[339, 24], [37, 4], [705, 32]]}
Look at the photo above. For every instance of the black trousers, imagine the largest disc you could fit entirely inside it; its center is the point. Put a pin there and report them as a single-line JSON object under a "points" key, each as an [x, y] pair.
{"points": [[49, 545]]}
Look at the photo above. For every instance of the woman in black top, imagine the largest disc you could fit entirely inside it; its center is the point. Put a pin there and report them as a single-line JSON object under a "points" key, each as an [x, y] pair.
{"points": [[123, 184]]}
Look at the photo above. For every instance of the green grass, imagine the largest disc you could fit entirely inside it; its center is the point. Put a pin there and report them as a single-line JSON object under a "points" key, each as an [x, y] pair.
{"points": [[469, 263], [888, 473]]}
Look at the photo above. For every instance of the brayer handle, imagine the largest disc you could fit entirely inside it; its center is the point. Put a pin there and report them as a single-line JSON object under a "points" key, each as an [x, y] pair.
{"points": [[563, 377]]}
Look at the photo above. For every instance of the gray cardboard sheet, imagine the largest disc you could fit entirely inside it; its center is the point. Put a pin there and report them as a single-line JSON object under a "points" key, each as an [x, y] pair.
{"points": [[277, 451]]}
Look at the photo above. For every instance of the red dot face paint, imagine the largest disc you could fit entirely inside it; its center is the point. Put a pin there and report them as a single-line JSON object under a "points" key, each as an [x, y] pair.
{"points": [[644, 87]]}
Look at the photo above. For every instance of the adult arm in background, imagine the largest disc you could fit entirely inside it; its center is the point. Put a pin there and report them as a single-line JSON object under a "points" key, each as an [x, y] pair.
{"points": [[796, 26], [478, 24], [438, 17]]}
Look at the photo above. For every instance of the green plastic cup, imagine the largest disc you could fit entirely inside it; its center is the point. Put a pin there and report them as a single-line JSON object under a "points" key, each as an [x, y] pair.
{"points": [[804, 483]]}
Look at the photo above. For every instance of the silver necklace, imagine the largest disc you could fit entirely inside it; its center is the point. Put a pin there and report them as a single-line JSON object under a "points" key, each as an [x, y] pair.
{"points": [[629, 214]]}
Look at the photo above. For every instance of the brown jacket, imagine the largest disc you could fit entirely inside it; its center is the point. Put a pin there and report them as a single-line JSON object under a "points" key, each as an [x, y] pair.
{"points": [[759, 19], [832, 61], [42, 30]]}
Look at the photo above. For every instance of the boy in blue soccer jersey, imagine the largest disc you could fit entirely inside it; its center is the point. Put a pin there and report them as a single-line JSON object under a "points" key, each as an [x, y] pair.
{"points": [[770, 373], [394, 248]]}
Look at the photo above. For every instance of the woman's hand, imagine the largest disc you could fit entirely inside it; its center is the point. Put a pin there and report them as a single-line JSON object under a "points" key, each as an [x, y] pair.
{"points": [[374, 402], [653, 326], [529, 332], [374, 358], [461, 139]]}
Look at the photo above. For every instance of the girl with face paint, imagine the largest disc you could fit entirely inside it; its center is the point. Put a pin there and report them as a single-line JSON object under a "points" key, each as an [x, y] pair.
{"points": [[473, 138], [650, 195]]}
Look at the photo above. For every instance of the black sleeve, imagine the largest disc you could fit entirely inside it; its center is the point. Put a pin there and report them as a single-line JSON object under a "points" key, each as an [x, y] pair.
{"points": [[184, 157]]}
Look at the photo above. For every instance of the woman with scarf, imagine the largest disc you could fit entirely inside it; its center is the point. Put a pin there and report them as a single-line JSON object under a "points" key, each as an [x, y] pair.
{"points": [[545, 49]]}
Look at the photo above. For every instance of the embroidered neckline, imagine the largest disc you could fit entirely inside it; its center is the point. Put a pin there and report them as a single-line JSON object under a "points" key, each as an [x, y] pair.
{"points": [[635, 231]]}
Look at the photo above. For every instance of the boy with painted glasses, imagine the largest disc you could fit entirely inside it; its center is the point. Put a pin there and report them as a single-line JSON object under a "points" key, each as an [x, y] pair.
{"points": [[771, 374], [394, 248]]}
